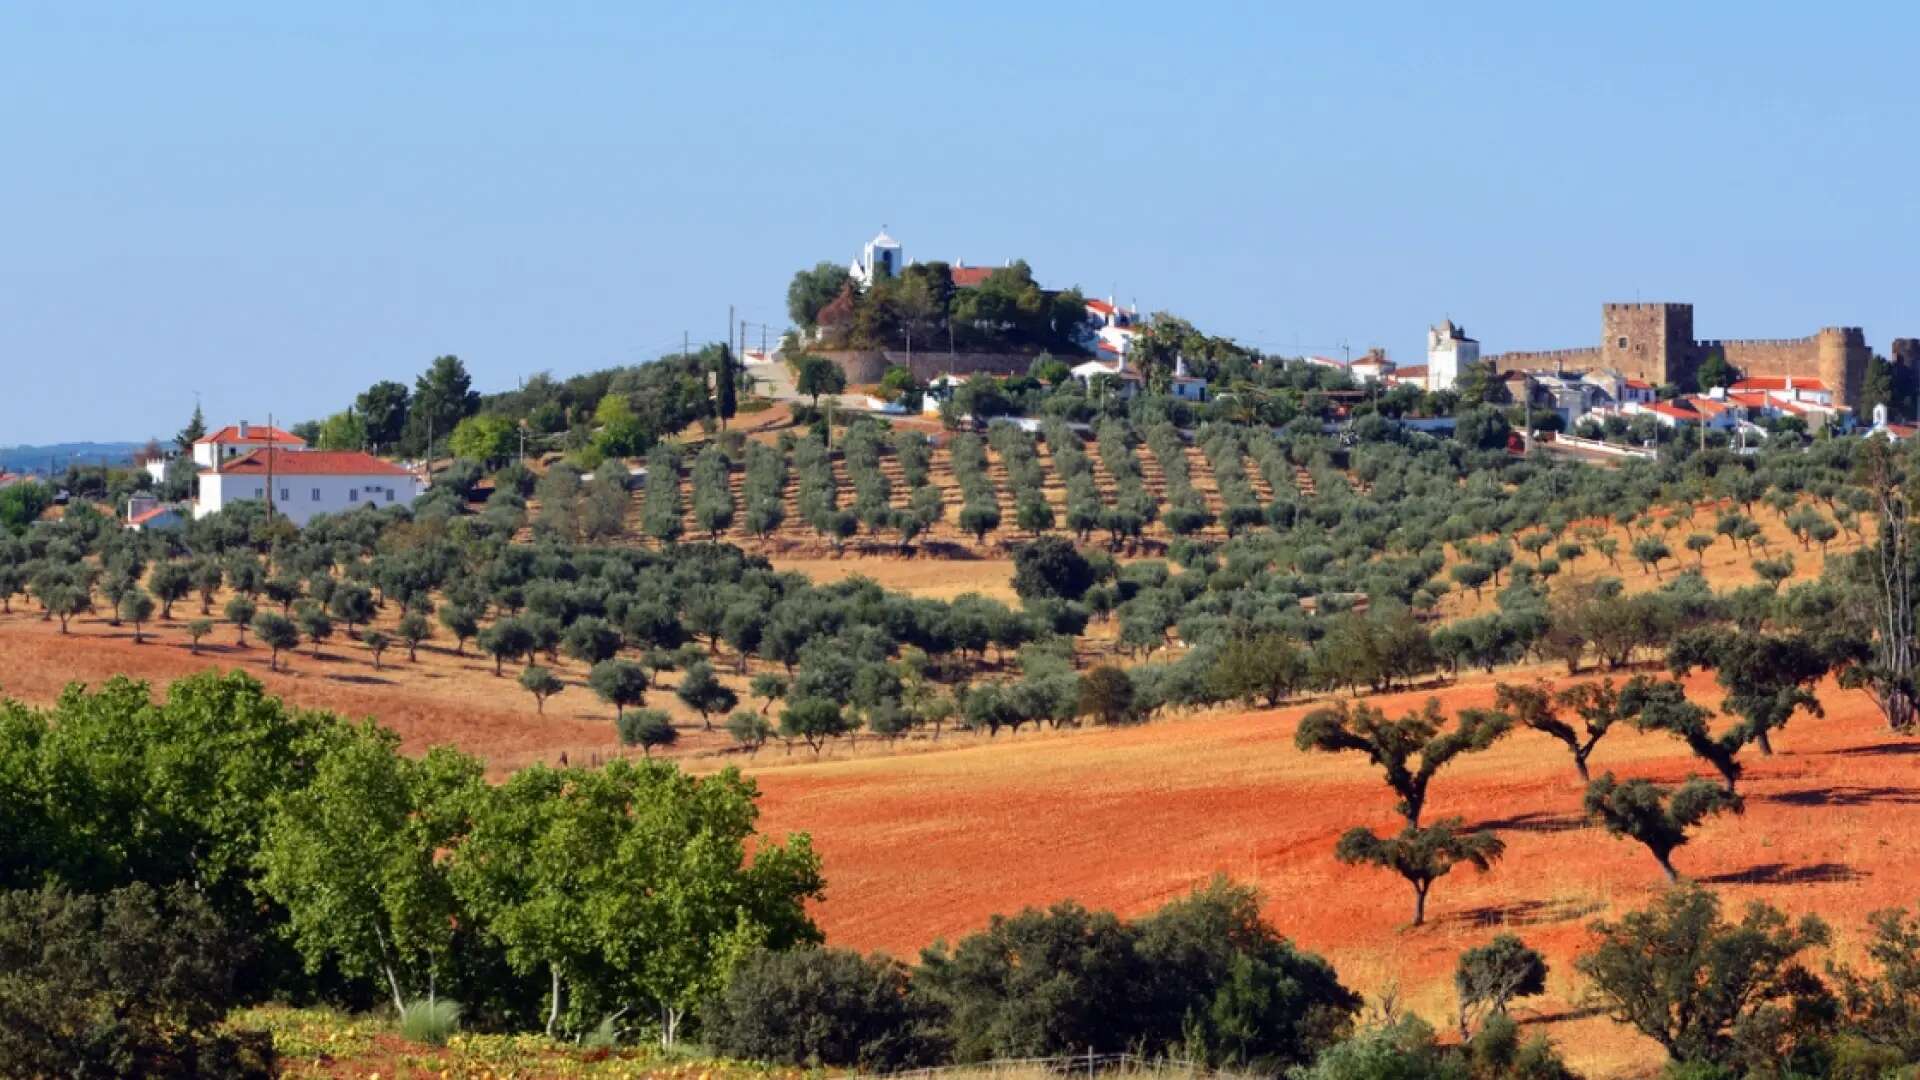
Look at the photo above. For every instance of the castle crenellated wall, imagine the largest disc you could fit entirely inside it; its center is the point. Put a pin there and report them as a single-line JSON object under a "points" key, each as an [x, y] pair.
{"points": [[1542, 359], [1655, 342]]}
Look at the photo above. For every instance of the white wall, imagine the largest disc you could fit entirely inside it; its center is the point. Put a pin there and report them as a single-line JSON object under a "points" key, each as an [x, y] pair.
{"points": [[301, 498]]}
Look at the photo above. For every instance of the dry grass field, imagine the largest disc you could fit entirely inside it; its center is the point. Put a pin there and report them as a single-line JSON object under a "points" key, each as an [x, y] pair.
{"points": [[926, 846]]}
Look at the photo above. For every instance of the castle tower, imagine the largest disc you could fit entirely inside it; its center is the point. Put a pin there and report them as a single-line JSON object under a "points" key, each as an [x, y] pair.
{"points": [[1843, 356], [1449, 350], [1648, 341]]}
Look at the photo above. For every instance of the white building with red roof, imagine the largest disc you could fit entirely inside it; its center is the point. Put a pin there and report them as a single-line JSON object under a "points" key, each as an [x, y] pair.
{"points": [[303, 484], [1787, 388], [236, 440]]}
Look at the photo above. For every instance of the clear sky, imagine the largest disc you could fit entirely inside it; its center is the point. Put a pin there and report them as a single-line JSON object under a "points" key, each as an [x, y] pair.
{"points": [[276, 204]]}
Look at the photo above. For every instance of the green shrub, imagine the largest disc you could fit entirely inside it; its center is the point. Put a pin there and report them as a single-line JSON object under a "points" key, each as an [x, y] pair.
{"points": [[430, 1022]]}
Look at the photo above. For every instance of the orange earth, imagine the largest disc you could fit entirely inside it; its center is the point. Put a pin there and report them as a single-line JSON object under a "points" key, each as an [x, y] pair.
{"points": [[927, 846]]}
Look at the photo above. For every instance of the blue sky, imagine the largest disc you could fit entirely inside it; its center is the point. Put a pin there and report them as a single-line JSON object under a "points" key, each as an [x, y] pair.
{"points": [[278, 204]]}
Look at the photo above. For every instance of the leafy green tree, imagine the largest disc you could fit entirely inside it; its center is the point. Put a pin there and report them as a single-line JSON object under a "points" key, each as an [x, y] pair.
{"points": [[814, 289], [354, 857], [377, 643], [1489, 977], [414, 629], [591, 640], [1650, 552], [542, 684], [195, 430], [701, 690], [1421, 855], [1882, 1007], [1266, 667], [443, 396], [1661, 705], [22, 504], [630, 886], [1107, 694], [486, 438], [750, 730], [383, 413], [462, 622], [619, 683], [63, 601], [815, 721], [133, 982], [507, 639], [169, 581], [1657, 817], [1538, 707], [1393, 745], [817, 375], [1051, 568], [278, 633], [197, 630], [136, 607], [240, 611], [342, 431], [1714, 371], [315, 626], [647, 729], [833, 1007], [1767, 677], [769, 687], [1708, 990]]}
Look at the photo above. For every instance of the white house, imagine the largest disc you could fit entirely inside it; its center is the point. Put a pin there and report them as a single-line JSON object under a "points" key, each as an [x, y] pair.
{"points": [[146, 512], [239, 439], [307, 483], [1112, 324], [1449, 350], [1185, 385], [1373, 367], [1127, 381]]}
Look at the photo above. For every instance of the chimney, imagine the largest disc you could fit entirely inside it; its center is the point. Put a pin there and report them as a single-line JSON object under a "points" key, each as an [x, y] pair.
{"points": [[243, 429]]}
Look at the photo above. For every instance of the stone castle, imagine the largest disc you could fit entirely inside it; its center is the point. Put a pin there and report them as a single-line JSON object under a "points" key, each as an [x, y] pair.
{"points": [[1655, 342]]}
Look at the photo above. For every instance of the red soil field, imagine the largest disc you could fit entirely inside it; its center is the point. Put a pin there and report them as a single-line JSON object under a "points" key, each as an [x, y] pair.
{"points": [[928, 846]]}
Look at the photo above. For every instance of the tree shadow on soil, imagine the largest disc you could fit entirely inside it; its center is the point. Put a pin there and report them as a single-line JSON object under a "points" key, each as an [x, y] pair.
{"points": [[1848, 795], [1826, 873], [1523, 913], [1536, 821], [1890, 749]]}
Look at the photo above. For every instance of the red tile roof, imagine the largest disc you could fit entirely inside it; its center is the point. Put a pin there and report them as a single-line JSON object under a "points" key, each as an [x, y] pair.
{"points": [[967, 277], [1676, 412], [256, 433], [310, 463], [1412, 371], [1100, 306], [1779, 382], [1107, 347], [1639, 384], [149, 514]]}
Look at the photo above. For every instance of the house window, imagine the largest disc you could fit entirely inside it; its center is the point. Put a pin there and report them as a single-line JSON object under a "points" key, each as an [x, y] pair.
{"points": [[316, 494], [353, 494], [284, 497], [389, 494]]}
